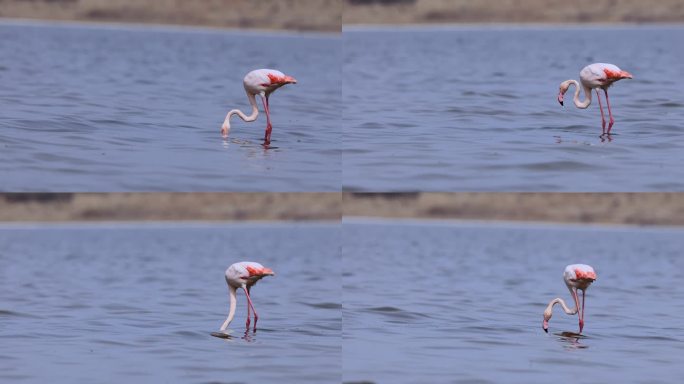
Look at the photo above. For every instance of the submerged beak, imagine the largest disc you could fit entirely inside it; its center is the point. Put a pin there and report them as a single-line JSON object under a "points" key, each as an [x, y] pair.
{"points": [[625, 75]]}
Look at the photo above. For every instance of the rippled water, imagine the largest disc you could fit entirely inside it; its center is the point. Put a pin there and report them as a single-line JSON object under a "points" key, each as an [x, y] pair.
{"points": [[85, 108], [463, 303], [137, 303], [476, 109]]}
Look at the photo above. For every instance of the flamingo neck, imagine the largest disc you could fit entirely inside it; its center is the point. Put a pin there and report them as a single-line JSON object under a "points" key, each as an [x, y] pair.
{"points": [[250, 118], [587, 95], [231, 313], [560, 301]]}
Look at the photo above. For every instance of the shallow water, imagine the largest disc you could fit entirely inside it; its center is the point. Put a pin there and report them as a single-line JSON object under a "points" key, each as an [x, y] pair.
{"points": [[93, 108], [462, 303], [137, 303], [476, 109]]}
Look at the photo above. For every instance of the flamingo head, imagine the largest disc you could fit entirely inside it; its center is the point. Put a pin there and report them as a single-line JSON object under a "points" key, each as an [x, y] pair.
{"points": [[562, 89], [547, 316]]}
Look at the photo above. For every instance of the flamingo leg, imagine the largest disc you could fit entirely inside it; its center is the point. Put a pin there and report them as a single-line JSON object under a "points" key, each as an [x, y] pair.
{"points": [[577, 306], [248, 321], [610, 114], [249, 301], [581, 324], [603, 119], [267, 135]]}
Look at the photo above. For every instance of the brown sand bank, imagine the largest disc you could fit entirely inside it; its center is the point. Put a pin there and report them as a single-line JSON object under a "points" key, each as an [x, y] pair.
{"points": [[511, 11], [608, 208], [299, 15], [170, 206], [619, 208]]}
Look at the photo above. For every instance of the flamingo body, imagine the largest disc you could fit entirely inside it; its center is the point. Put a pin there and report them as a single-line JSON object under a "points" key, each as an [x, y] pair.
{"points": [[265, 81], [261, 82], [602, 75], [243, 275], [576, 277], [593, 77]]}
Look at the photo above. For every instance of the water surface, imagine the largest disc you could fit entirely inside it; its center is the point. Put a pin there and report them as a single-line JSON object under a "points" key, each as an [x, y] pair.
{"points": [[475, 109], [95, 108], [137, 304], [463, 303]]}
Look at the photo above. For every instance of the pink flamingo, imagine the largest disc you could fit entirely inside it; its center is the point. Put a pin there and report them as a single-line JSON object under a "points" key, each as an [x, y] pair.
{"points": [[595, 76], [576, 276], [260, 82], [243, 275]]}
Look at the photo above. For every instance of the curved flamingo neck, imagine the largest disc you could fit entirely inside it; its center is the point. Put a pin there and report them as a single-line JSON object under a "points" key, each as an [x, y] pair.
{"points": [[549, 308], [250, 118], [587, 94], [565, 307], [231, 312]]}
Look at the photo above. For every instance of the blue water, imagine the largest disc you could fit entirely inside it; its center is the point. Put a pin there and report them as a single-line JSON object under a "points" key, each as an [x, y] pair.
{"points": [[137, 303], [96, 108], [462, 303], [474, 108]]}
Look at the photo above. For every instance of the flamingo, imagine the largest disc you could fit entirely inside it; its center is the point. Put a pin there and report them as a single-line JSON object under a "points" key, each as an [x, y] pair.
{"points": [[260, 82], [576, 276], [243, 275], [595, 76]]}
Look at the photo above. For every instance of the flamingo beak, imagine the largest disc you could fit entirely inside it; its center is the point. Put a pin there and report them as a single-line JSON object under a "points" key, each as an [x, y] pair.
{"points": [[625, 75], [289, 80], [267, 271], [545, 326], [560, 98]]}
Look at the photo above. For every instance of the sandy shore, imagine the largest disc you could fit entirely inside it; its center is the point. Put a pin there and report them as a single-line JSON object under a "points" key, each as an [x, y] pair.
{"points": [[298, 15], [170, 206], [328, 15], [511, 11], [619, 208], [608, 208]]}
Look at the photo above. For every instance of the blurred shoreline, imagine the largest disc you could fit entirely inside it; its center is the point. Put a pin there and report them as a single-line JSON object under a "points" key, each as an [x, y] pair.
{"points": [[159, 27], [635, 209], [331, 15], [291, 15], [641, 209], [127, 207], [407, 12]]}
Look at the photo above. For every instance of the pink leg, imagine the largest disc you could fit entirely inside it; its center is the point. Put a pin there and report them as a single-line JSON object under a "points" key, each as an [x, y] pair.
{"points": [[582, 315], [610, 113], [579, 311], [248, 320], [256, 317], [603, 119], [267, 135]]}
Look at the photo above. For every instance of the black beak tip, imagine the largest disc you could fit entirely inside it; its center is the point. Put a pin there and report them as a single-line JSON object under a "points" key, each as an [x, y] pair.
{"points": [[561, 103], [546, 330]]}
